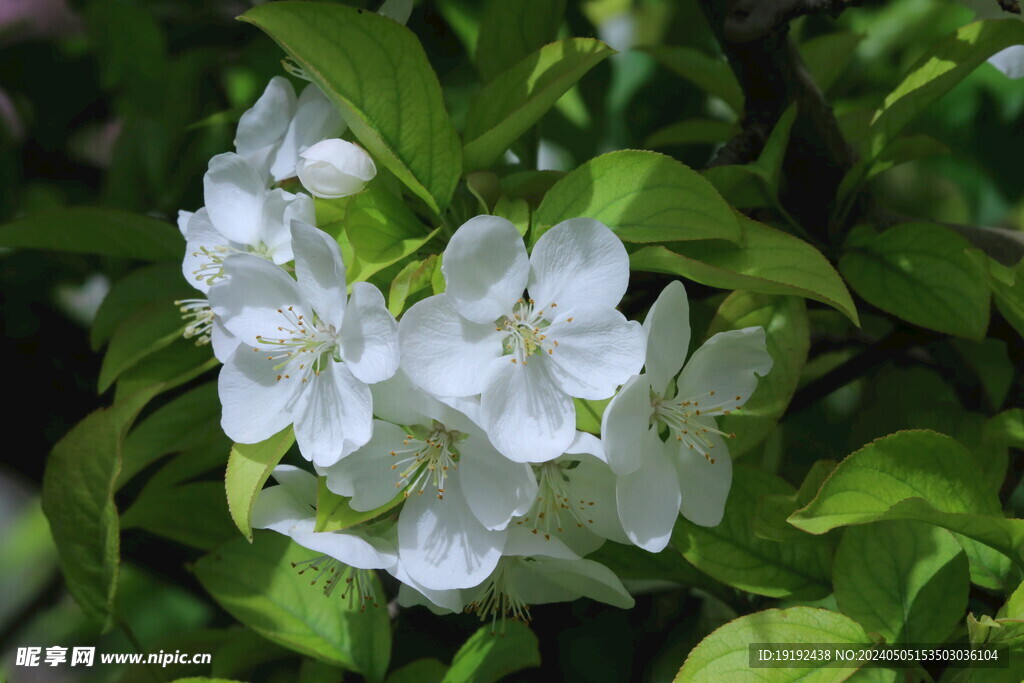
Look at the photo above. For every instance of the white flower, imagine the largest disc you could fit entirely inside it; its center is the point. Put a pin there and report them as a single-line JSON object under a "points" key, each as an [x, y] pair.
{"points": [[307, 351], [1010, 61], [460, 493], [531, 572], [347, 557], [690, 472], [575, 501], [335, 168], [526, 355], [241, 216], [279, 127]]}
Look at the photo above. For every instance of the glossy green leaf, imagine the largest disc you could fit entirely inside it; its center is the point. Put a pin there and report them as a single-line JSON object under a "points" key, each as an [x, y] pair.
{"points": [[257, 584], [413, 278], [784, 320], [78, 499], [512, 29], [924, 476], [713, 75], [942, 67], [724, 655], [905, 580], [692, 132], [642, 196], [146, 331], [158, 282], [380, 230], [766, 261], [194, 514], [91, 230], [733, 554], [487, 657], [516, 99], [376, 72], [921, 273], [249, 466]]}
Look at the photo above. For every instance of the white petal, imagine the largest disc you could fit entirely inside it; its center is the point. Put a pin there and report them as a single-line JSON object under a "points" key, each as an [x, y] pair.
{"points": [[299, 482], [278, 509], [248, 300], [441, 543], [347, 547], [444, 353], [255, 405], [495, 488], [335, 416], [183, 219], [223, 342], [725, 365], [548, 579], [597, 351], [398, 10], [315, 119], [235, 195], [412, 594], [366, 475], [705, 485], [668, 336], [579, 262], [335, 168], [1010, 61], [523, 542], [485, 267], [625, 424], [648, 501], [527, 417], [262, 127], [320, 272], [400, 401], [593, 482], [369, 337], [280, 208], [588, 444], [202, 240]]}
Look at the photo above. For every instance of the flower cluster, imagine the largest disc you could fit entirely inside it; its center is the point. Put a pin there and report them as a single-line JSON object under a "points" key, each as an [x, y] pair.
{"points": [[451, 435]]}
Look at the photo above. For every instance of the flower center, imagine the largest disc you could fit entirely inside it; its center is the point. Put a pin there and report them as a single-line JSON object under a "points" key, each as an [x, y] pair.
{"points": [[198, 319], [427, 458], [211, 268], [358, 582], [555, 506], [692, 420], [499, 599], [525, 330], [304, 346]]}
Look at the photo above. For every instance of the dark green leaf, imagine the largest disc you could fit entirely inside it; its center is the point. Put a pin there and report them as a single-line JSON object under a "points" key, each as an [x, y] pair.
{"points": [[488, 656], [512, 29]]}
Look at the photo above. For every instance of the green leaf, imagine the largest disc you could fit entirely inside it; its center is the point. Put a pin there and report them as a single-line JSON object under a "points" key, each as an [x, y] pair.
{"points": [[419, 671], [711, 74], [515, 211], [90, 230], [195, 514], [376, 72], [920, 475], [488, 656], [1007, 285], [907, 148], [828, 56], [169, 368], [78, 499], [158, 282], [942, 67], [413, 278], [249, 466], [333, 512], [724, 655], [188, 420], [733, 554], [642, 196], [589, 413], [509, 31], [905, 580], [516, 99], [766, 261], [771, 519], [692, 132], [257, 584], [784, 320], [921, 273], [381, 230], [146, 331]]}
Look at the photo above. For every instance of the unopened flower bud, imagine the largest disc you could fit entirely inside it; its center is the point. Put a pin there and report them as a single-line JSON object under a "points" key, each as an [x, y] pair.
{"points": [[335, 168]]}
